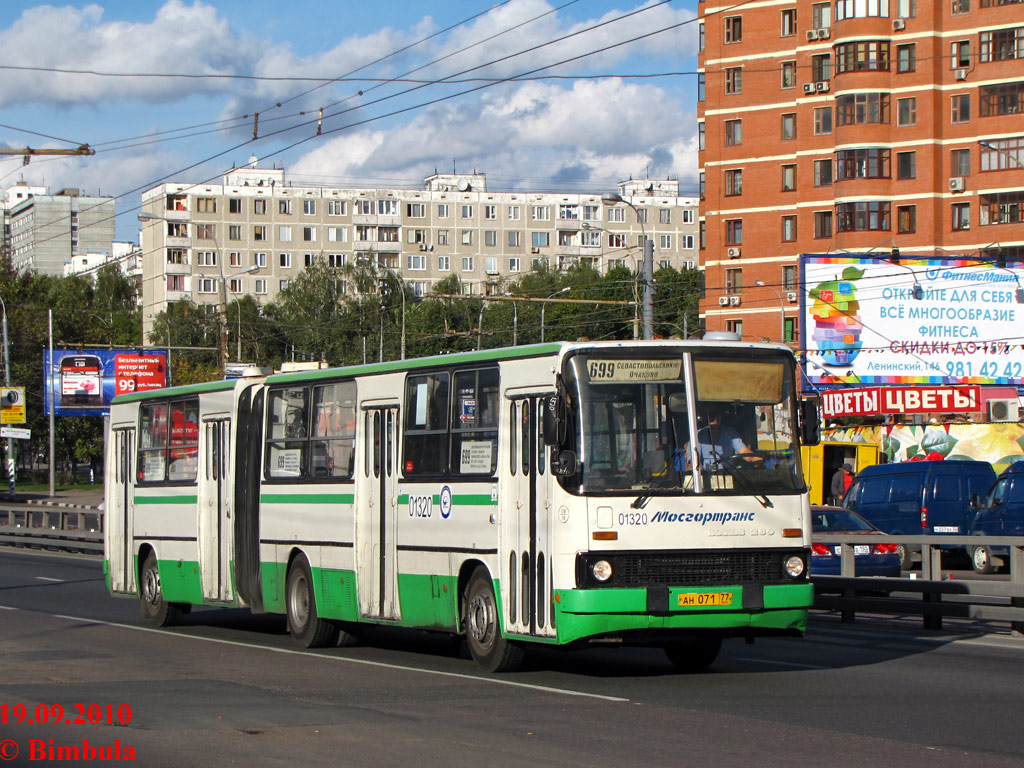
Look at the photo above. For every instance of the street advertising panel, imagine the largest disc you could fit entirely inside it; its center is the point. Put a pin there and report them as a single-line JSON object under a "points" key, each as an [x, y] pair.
{"points": [[83, 382], [876, 401], [869, 320]]}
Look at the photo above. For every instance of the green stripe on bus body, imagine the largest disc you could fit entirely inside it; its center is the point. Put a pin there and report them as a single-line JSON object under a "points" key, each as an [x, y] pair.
{"points": [[465, 500], [307, 498], [185, 499]]}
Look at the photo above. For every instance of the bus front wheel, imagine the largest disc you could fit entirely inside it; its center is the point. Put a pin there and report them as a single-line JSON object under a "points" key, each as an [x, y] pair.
{"points": [[486, 644], [152, 606], [304, 624], [693, 654]]}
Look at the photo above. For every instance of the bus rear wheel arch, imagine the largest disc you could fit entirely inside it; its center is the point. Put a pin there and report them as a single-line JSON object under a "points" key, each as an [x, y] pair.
{"points": [[153, 608]]}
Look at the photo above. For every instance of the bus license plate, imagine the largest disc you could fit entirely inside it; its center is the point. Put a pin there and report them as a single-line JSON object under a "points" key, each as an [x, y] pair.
{"points": [[692, 599]]}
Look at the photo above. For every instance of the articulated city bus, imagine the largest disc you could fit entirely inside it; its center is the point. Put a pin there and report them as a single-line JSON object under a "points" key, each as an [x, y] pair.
{"points": [[538, 494]]}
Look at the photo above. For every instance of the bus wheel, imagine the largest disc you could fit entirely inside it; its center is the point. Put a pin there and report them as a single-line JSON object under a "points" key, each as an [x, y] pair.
{"points": [[152, 606], [303, 622], [483, 631], [693, 654]]}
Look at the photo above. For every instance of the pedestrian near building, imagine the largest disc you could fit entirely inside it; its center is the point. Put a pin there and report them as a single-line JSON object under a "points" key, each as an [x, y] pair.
{"points": [[841, 482]]}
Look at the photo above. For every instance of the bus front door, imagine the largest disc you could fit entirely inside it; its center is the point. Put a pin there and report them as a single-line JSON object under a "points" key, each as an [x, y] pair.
{"points": [[120, 524], [215, 524], [377, 507], [526, 524]]}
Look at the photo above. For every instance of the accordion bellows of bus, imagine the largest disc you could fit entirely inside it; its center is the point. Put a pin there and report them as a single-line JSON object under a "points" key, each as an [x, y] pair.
{"points": [[645, 493]]}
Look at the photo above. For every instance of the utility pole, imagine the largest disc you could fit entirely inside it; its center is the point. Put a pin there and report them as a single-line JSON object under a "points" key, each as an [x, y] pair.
{"points": [[28, 152]]}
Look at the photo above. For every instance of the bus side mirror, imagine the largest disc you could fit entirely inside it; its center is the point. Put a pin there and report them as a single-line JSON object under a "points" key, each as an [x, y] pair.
{"points": [[810, 424]]}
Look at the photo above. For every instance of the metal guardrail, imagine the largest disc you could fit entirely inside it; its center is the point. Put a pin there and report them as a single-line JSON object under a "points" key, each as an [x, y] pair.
{"points": [[76, 529], [973, 598]]}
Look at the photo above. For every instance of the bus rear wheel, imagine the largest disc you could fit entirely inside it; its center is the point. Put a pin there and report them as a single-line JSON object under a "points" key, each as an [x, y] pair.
{"points": [[152, 606], [486, 644], [693, 654], [308, 629]]}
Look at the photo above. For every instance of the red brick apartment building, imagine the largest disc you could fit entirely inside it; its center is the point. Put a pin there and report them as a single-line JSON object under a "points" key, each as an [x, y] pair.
{"points": [[852, 125]]}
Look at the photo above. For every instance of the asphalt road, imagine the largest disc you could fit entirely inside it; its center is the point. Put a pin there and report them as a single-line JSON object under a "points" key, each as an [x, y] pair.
{"points": [[229, 688]]}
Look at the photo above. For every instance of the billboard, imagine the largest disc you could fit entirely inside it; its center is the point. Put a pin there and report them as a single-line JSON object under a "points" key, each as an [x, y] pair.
{"points": [[83, 382], [868, 320]]}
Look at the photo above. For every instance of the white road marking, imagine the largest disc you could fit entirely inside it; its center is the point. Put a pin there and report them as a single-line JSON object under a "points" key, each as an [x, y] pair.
{"points": [[49, 578], [7, 608], [343, 659]]}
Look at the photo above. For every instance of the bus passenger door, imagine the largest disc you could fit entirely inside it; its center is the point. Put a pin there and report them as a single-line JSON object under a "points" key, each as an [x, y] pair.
{"points": [[121, 519], [526, 524], [377, 507], [215, 524]]}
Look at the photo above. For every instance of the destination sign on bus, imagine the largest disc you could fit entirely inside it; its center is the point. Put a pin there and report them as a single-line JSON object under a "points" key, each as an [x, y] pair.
{"points": [[616, 371]]}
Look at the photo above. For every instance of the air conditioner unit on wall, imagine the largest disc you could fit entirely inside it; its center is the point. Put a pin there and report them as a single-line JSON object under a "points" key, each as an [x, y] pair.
{"points": [[808, 87], [956, 183], [723, 301], [733, 253], [824, 33], [960, 74], [821, 86], [898, 24], [735, 301], [812, 34], [791, 297], [1004, 410]]}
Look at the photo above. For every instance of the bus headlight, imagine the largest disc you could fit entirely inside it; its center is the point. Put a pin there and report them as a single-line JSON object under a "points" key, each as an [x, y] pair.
{"points": [[795, 566], [602, 570]]}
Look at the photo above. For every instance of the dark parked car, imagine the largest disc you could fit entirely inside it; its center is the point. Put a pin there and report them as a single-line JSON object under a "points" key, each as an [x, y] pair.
{"points": [[870, 559], [1001, 514]]}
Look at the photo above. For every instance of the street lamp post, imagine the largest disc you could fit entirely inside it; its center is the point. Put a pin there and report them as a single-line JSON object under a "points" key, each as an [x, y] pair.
{"points": [[782, 309], [7, 382], [647, 266], [545, 306]]}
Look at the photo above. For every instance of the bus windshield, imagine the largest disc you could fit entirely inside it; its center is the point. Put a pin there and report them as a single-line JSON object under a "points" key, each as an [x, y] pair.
{"points": [[632, 418]]}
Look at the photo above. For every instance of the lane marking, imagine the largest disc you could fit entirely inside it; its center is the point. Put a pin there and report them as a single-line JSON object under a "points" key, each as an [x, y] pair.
{"points": [[7, 608], [782, 663], [346, 660], [49, 578]]}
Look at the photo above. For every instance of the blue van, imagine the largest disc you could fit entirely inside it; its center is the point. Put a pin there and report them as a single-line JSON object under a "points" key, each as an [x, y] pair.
{"points": [[920, 497], [1002, 514]]}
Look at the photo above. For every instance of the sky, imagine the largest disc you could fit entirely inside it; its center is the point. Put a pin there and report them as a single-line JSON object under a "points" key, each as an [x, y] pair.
{"points": [[541, 95]]}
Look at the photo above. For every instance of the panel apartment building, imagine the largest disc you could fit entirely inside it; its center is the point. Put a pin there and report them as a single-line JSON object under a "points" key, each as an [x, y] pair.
{"points": [[256, 232], [857, 126]]}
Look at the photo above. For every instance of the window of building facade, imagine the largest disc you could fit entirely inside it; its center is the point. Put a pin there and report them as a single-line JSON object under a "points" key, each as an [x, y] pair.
{"points": [[466, 237], [234, 259], [823, 173], [906, 219], [733, 80], [734, 231], [260, 286], [1001, 99], [861, 9], [490, 238], [206, 204], [871, 163], [259, 232], [961, 6], [335, 207], [961, 213], [789, 74], [285, 260], [513, 263], [442, 237], [788, 178], [1000, 154], [444, 263], [733, 133], [822, 224], [515, 238], [206, 259], [788, 228], [862, 56], [442, 210], [175, 282], [1000, 208], [906, 57], [234, 205], [822, 121], [514, 213], [960, 54], [960, 108], [309, 234], [821, 15], [733, 29], [734, 281], [789, 276], [733, 182], [616, 241], [466, 212], [416, 261], [467, 263], [259, 206], [207, 285], [284, 206], [259, 260], [234, 231], [860, 108], [309, 207], [734, 326], [416, 210], [863, 216], [206, 231], [591, 213], [540, 239], [665, 242], [906, 165], [788, 21], [284, 234], [665, 216], [960, 162], [490, 212], [821, 67], [617, 213], [590, 238], [906, 111], [1002, 44], [788, 125]]}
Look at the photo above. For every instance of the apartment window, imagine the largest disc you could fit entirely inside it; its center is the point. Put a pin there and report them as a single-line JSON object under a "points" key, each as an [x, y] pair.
{"points": [[513, 213], [906, 9], [702, 234], [444, 264], [206, 231], [734, 231], [788, 228], [688, 216], [1002, 44], [234, 259], [234, 232], [789, 276], [387, 207], [309, 234], [206, 259], [788, 22], [259, 206], [540, 239], [466, 212], [861, 9], [701, 85], [734, 326], [870, 163], [960, 108], [490, 237], [234, 205], [822, 121], [821, 15], [365, 232], [513, 263], [788, 178], [1000, 208], [616, 241], [734, 281], [175, 282], [309, 259], [733, 80], [235, 285], [416, 261], [260, 285], [687, 242], [206, 204], [207, 285], [490, 211], [515, 238], [960, 162], [960, 54], [308, 207], [733, 133], [665, 216], [591, 213], [284, 234], [961, 6], [734, 182], [665, 242], [789, 126], [617, 214], [442, 210], [387, 235], [701, 137], [906, 219], [733, 29], [467, 237], [442, 237], [700, 36], [177, 256], [259, 232], [590, 238], [416, 210], [789, 74], [1002, 99], [1001, 154], [861, 108], [961, 216], [335, 207], [906, 111], [822, 224], [906, 165], [540, 213], [284, 206], [491, 265], [282, 285], [862, 56], [339, 234], [568, 212], [864, 216], [467, 263], [821, 67], [259, 260], [906, 57]]}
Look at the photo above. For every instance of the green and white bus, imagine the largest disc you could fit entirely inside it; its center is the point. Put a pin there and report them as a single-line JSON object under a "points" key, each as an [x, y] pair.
{"points": [[537, 494]]}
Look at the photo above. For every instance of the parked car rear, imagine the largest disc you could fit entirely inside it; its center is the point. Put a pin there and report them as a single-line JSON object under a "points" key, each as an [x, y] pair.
{"points": [[870, 558], [1001, 514], [920, 497]]}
